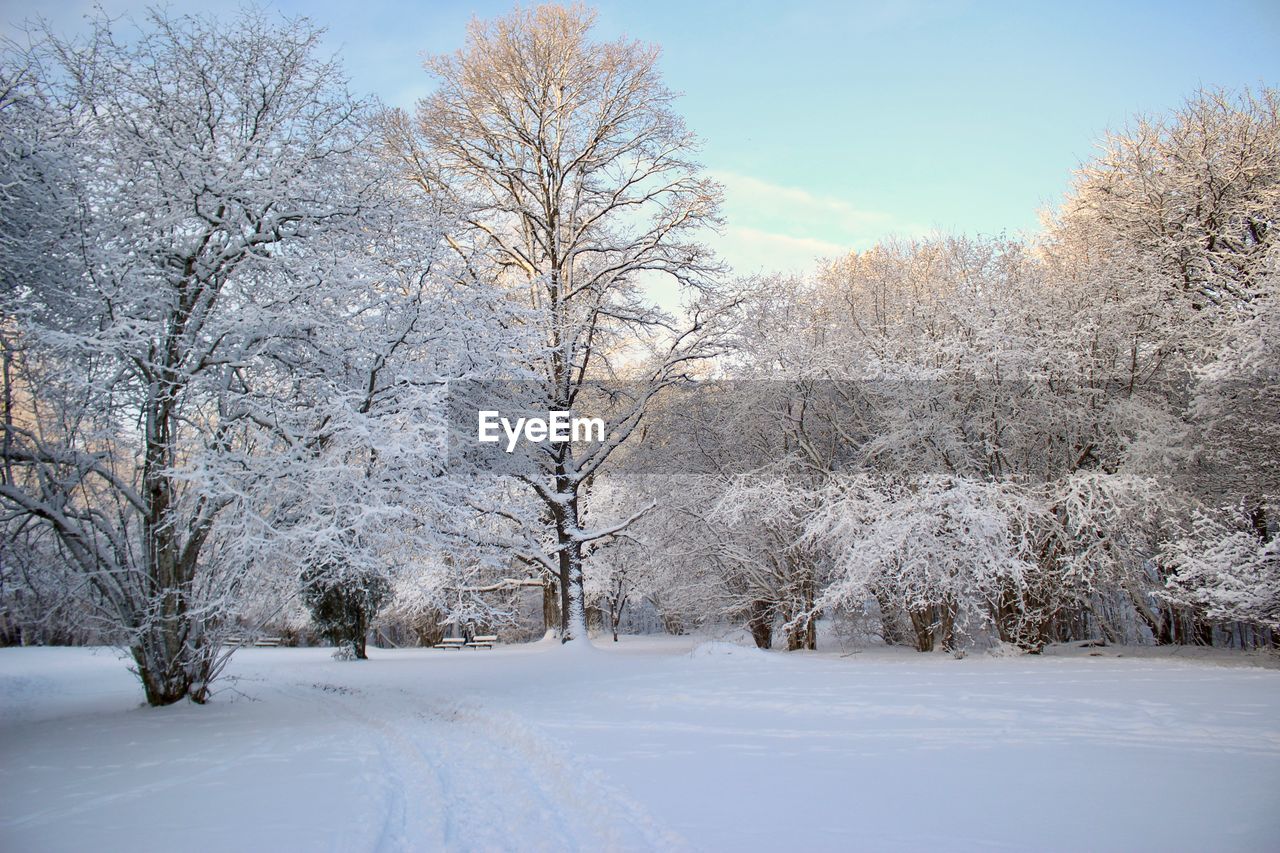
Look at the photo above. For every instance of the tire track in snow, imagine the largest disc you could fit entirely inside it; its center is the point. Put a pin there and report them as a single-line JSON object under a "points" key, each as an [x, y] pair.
{"points": [[596, 816], [407, 776], [496, 783]]}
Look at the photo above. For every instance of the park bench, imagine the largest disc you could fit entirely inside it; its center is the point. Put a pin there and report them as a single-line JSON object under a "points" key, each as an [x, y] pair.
{"points": [[261, 642], [485, 642]]}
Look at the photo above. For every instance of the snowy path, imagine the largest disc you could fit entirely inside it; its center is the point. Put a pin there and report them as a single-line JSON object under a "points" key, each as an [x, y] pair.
{"points": [[642, 747], [303, 754], [457, 776]]}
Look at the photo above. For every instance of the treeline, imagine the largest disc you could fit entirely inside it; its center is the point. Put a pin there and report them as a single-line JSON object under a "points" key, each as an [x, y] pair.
{"points": [[237, 303], [975, 440]]}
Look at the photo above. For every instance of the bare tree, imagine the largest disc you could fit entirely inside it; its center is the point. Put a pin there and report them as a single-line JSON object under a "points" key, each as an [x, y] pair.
{"points": [[574, 173]]}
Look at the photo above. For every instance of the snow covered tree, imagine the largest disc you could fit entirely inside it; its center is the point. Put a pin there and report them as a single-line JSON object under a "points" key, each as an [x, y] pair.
{"points": [[1192, 196], [771, 574], [369, 498], [572, 170], [191, 165], [1173, 225]]}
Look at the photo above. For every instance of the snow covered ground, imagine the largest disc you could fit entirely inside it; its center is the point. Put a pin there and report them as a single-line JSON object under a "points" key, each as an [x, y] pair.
{"points": [[656, 743]]}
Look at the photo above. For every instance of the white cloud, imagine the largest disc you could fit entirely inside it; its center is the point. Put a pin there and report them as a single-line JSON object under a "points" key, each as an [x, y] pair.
{"points": [[751, 250], [775, 227]]}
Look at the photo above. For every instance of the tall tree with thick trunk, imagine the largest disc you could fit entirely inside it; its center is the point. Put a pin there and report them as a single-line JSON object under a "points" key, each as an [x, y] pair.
{"points": [[575, 174], [169, 187]]}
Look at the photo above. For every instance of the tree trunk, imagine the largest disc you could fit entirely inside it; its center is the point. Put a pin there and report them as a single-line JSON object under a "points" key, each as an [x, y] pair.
{"points": [[947, 626], [760, 624], [922, 628], [1158, 620], [1203, 631], [170, 648], [550, 605], [890, 624], [616, 607], [171, 668], [573, 623], [573, 613], [803, 635]]}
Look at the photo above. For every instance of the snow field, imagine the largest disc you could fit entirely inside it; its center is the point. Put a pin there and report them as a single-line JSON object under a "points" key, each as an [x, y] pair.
{"points": [[653, 744]]}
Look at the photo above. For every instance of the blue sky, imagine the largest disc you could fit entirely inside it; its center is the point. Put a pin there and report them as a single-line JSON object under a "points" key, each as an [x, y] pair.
{"points": [[836, 124]]}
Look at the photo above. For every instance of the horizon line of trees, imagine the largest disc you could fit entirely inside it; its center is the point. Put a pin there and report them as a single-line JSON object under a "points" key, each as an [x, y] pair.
{"points": [[1074, 436], [235, 300]]}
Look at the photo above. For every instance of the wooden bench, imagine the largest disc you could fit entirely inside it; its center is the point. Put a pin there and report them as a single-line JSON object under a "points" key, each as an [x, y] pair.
{"points": [[261, 642], [450, 643], [485, 642]]}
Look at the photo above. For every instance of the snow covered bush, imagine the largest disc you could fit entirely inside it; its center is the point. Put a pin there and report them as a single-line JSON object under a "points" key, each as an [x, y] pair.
{"points": [[942, 551], [1227, 569]]}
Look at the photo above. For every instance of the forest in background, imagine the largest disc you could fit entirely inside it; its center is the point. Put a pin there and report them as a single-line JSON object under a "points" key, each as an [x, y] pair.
{"points": [[237, 303]]}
